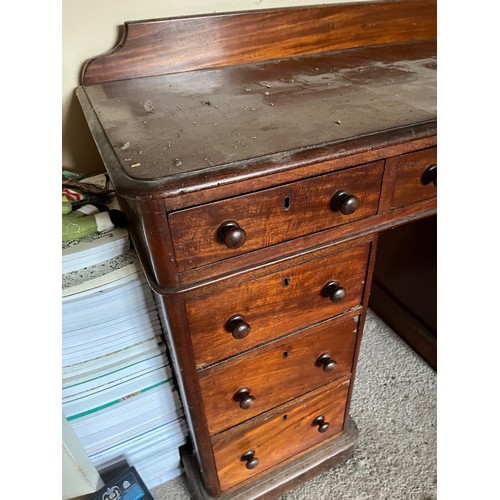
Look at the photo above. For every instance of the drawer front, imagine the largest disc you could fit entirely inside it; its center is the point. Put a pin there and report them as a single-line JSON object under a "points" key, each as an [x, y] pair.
{"points": [[273, 438], [267, 377], [273, 215], [416, 177], [233, 320]]}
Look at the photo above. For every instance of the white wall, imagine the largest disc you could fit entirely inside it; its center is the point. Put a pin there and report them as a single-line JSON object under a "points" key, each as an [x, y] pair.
{"points": [[91, 27]]}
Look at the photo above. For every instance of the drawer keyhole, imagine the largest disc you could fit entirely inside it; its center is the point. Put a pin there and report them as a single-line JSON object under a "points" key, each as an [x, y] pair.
{"points": [[287, 202]]}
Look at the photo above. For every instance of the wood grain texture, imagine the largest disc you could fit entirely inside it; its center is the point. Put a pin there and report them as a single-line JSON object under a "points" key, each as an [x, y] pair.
{"points": [[174, 127], [364, 306], [272, 216], [260, 172], [279, 435], [163, 46], [307, 163], [279, 108], [320, 241], [272, 308], [408, 186], [278, 371], [283, 477], [153, 244], [180, 348]]}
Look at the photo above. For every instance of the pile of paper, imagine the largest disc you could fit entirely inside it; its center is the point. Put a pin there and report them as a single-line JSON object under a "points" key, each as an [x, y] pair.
{"points": [[118, 391]]}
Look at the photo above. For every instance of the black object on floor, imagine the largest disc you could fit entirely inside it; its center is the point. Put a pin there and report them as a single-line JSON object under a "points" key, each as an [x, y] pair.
{"points": [[127, 485]]}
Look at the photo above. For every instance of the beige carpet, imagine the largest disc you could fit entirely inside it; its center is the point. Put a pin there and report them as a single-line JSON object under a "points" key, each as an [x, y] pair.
{"points": [[394, 407]]}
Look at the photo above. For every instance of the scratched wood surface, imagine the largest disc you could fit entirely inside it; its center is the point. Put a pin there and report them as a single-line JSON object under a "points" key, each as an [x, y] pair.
{"points": [[173, 125]]}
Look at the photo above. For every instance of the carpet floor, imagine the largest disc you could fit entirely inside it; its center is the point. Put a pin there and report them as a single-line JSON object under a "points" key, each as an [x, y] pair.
{"points": [[394, 405]]}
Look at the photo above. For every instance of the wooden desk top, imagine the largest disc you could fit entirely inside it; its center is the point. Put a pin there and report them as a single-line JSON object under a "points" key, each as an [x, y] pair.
{"points": [[169, 134]]}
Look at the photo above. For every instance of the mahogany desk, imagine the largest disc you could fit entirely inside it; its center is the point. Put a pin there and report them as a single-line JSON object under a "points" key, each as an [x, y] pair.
{"points": [[258, 156]]}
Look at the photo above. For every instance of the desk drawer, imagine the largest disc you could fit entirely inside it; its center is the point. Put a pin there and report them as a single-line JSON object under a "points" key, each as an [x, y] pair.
{"points": [[272, 438], [269, 376], [416, 177], [273, 215], [226, 322]]}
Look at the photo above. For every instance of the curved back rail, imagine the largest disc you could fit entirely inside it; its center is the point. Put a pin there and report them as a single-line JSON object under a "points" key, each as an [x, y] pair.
{"points": [[163, 46]]}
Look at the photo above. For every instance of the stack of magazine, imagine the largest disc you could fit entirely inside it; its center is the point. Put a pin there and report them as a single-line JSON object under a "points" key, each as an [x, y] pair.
{"points": [[118, 392]]}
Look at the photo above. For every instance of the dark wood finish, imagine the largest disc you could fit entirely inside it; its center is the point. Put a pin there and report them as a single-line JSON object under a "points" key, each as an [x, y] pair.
{"points": [[430, 175], [291, 211], [278, 371], [272, 306], [334, 291], [243, 397], [278, 436], [245, 134], [407, 325], [308, 244], [283, 478], [247, 37], [411, 183], [256, 175], [238, 327], [366, 297], [404, 293], [326, 362], [250, 459], [231, 234], [180, 350], [345, 202], [321, 424]]}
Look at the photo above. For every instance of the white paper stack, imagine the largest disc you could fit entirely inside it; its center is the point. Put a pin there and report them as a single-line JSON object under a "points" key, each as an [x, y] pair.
{"points": [[118, 392]]}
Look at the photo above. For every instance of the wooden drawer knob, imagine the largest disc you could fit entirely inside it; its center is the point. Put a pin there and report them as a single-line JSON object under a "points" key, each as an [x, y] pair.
{"points": [[344, 202], [326, 362], [244, 398], [231, 234], [249, 458], [320, 422], [238, 326], [333, 290], [430, 175]]}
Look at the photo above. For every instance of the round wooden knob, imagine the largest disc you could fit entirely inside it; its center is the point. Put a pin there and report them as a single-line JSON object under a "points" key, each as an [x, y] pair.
{"points": [[430, 175], [326, 362], [345, 202], [231, 234], [244, 398], [320, 422], [249, 458], [238, 326], [333, 290]]}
